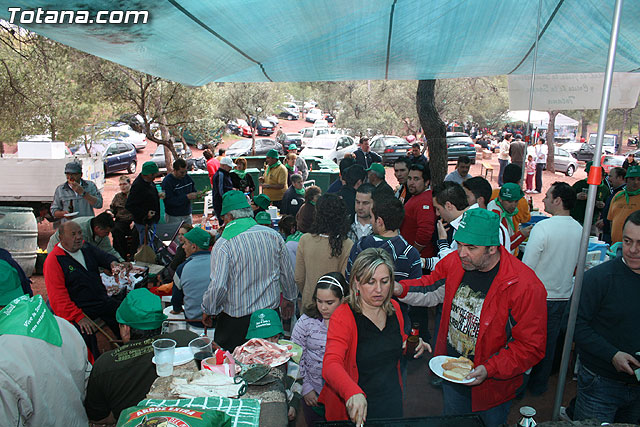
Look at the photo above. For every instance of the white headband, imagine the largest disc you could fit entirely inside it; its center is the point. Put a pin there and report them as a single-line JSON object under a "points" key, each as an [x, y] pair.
{"points": [[331, 281]]}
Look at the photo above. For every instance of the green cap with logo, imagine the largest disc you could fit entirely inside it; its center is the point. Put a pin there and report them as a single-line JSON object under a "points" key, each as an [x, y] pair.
{"points": [[262, 200], [293, 147], [511, 192], [479, 227], [149, 168], [10, 287], [233, 200], [273, 153], [198, 237], [264, 323], [263, 218], [377, 168], [633, 172], [141, 310]]}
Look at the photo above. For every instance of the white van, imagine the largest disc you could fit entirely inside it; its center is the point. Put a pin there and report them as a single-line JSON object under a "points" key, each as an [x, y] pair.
{"points": [[609, 142], [309, 133]]}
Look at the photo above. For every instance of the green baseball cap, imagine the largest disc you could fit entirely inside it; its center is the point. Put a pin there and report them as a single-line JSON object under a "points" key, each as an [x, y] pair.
{"points": [[479, 227], [633, 172], [264, 323], [511, 192], [293, 147], [273, 153], [262, 200], [588, 166], [198, 237], [377, 168], [10, 287], [141, 310], [232, 200], [149, 167], [263, 218]]}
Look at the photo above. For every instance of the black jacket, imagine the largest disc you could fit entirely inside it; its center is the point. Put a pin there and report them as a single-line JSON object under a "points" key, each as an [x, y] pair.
{"points": [[291, 202], [143, 197], [365, 160], [221, 184]]}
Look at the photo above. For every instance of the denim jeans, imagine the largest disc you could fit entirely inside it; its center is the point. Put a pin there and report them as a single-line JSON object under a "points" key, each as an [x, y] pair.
{"points": [[605, 399], [540, 373], [503, 164], [457, 401]]}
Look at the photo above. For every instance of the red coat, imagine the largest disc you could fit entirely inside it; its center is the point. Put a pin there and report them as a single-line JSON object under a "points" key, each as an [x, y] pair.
{"points": [[516, 291], [339, 368], [419, 223]]}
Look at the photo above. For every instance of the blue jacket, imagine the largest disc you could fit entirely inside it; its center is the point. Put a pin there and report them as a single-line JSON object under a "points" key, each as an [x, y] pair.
{"points": [[176, 202]]}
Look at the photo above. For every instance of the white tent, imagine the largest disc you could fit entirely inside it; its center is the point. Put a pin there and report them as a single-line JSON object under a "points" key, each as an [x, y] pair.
{"points": [[540, 119]]}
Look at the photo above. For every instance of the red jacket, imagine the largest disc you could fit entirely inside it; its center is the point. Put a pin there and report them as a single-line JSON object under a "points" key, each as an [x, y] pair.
{"points": [[516, 293], [419, 223], [339, 368]]}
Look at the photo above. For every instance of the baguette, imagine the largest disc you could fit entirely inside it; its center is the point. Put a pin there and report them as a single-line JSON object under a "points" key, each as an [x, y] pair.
{"points": [[453, 375], [457, 369]]}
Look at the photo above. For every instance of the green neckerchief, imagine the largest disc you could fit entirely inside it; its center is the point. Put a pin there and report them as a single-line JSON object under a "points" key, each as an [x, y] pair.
{"points": [[627, 194], [289, 167], [237, 226], [295, 237], [30, 317], [382, 237], [241, 174], [507, 215], [312, 203], [276, 164], [300, 191]]}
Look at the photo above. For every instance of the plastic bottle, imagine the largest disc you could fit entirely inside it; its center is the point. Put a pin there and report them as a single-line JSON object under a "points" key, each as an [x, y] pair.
{"points": [[215, 222], [527, 420], [208, 226]]}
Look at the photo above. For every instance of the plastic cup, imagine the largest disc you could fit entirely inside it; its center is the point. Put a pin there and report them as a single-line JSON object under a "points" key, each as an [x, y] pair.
{"points": [[164, 351], [201, 348]]}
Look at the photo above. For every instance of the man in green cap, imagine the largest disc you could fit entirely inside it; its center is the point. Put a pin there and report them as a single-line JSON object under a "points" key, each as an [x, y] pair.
{"points": [[494, 313], [506, 206], [144, 201], [76, 195], [266, 324], [121, 378], [624, 203], [263, 218], [301, 163], [582, 188], [250, 268], [43, 365], [192, 276], [260, 203], [274, 180], [376, 176], [293, 198]]}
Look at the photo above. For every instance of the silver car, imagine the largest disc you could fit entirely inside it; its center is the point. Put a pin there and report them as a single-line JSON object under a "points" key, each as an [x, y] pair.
{"points": [[564, 161]]}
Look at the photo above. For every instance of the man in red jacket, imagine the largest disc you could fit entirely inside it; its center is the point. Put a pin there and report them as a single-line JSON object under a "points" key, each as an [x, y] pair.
{"points": [[494, 312], [419, 217]]}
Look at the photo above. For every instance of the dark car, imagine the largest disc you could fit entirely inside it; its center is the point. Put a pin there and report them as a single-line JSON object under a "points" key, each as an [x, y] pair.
{"points": [[390, 147], [460, 144], [289, 115], [116, 154], [287, 139], [183, 151], [263, 127], [243, 147], [201, 139], [585, 153]]}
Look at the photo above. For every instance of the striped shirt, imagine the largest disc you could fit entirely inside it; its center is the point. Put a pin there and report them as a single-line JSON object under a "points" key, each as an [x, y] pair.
{"points": [[406, 258], [311, 335], [248, 273]]}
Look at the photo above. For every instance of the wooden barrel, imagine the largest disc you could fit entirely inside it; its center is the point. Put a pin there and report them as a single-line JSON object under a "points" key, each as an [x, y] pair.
{"points": [[19, 235]]}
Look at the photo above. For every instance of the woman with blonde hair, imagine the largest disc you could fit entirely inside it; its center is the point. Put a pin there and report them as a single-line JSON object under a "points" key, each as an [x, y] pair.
{"points": [[365, 341], [290, 164]]}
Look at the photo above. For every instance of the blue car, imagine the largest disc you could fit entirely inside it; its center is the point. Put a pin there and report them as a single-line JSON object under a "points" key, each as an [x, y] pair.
{"points": [[116, 154]]}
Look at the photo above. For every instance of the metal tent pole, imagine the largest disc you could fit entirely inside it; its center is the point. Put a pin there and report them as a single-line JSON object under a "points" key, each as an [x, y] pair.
{"points": [[533, 82], [588, 215]]}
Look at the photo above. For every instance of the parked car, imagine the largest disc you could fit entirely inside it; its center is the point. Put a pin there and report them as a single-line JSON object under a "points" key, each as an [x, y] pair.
{"points": [[287, 139], [202, 139], [328, 117], [321, 123], [183, 151], [313, 115], [390, 147], [263, 127], [243, 147], [608, 161], [291, 106], [330, 147], [273, 120], [117, 155], [564, 162], [309, 133], [125, 133], [459, 144], [609, 142], [289, 114], [584, 154], [240, 127]]}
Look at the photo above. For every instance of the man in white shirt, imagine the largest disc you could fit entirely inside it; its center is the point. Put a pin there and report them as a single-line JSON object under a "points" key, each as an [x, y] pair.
{"points": [[552, 252], [363, 223], [540, 151], [461, 173]]}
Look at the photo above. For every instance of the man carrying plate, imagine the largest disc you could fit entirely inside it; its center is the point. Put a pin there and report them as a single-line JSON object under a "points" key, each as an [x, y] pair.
{"points": [[494, 313]]}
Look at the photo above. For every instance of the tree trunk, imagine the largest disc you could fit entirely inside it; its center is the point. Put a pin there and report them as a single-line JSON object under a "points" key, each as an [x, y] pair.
{"points": [[434, 129], [169, 149], [551, 130], [626, 113], [585, 124]]}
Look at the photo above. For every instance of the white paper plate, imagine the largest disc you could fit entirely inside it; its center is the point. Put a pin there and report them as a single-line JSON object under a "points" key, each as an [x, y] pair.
{"points": [[70, 214], [436, 367], [182, 356]]}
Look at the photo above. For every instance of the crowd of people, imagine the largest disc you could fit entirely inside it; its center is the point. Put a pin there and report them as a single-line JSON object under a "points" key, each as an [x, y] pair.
{"points": [[358, 267]]}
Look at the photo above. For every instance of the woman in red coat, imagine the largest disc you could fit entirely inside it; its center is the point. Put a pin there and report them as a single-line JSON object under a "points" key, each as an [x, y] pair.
{"points": [[361, 366]]}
